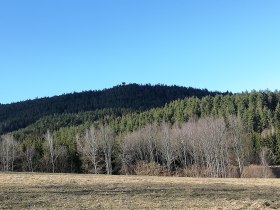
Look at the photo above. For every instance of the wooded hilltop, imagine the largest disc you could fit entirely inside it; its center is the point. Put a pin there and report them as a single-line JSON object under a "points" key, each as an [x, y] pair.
{"points": [[144, 129]]}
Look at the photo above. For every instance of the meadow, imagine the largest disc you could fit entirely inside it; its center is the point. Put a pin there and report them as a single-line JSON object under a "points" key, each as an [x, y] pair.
{"points": [[80, 191]]}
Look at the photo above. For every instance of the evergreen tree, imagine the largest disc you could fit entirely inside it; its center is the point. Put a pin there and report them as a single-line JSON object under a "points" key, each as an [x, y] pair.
{"points": [[277, 116]]}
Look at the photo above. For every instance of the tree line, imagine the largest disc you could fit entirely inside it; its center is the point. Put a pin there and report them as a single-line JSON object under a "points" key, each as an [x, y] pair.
{"points": [[154, 138], [205, 147]]}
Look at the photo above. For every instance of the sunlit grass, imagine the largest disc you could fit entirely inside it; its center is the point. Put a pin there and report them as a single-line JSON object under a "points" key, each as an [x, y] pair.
{"points": [[79, 191]]}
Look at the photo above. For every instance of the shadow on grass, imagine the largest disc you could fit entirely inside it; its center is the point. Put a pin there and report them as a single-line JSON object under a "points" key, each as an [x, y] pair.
{"points": [[34, 196]]}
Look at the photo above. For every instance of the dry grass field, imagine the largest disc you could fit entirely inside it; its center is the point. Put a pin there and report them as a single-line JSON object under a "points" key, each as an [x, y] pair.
{"points": [[68, 191]]}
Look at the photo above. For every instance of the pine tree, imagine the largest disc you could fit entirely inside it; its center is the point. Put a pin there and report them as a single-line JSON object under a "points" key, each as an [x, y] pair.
{"points": [[277, 116]]}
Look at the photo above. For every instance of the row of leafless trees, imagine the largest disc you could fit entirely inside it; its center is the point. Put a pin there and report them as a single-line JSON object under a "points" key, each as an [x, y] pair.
{"points": [[95, 148], [13, 154], [212, 146]]}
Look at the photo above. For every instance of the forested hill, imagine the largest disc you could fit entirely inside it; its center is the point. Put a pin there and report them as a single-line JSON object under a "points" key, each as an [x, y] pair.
{"points": [[120, 130], [133, 97]]}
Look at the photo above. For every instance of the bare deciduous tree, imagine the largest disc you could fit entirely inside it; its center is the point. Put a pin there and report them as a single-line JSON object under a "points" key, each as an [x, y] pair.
{"points": [[54, 151], [106, 138], [213, 142], [88, 146], [264, 162], [167, 146], [238, 142], [8, 152], [128, 147], [29, 154], [183, 136]]}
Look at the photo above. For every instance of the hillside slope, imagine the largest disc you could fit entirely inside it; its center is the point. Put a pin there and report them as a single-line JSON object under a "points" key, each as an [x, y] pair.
{"points": [[132, 96]]}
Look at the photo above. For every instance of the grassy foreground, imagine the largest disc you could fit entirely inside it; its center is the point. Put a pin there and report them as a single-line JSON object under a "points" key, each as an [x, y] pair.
{"points": [[68, 191]]}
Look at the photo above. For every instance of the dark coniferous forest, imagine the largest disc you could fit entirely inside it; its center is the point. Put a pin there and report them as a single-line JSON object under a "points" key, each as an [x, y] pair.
{"points": [[144, 129]]}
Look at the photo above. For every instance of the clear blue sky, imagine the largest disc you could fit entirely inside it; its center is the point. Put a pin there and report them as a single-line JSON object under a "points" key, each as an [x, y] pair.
{"points": [[51, 47]]}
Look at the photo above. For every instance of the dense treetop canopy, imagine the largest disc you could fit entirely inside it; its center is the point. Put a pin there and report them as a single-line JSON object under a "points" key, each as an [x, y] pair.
{"points": [[132, 96]]}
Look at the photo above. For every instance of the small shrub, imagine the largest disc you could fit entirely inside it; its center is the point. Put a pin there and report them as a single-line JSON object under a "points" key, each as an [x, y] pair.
{"points": [[232, 172], [150, 169], [257, 171], [193, 171]]}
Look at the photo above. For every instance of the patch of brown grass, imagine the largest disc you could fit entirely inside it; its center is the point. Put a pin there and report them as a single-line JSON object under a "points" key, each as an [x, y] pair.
{"points": [[258, 171], [79, 191]]}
